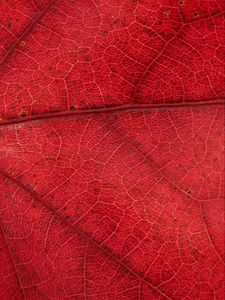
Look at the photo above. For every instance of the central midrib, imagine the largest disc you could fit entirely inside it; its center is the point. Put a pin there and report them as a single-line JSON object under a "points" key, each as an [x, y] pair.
{"points": [[111, 109]]}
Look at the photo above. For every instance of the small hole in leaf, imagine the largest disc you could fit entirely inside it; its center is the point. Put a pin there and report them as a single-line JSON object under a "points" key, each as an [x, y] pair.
{"points": [[72, 107]]}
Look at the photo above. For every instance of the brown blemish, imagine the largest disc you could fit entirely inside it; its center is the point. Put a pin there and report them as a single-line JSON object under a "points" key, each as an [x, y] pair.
{"points": [[182, 4], [72, 107], [22, 114], [8, 25], [195, 15]]}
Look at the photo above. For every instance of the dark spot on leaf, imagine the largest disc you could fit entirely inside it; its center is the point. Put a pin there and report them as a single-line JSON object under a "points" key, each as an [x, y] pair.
{"points": [[67, 216], [182, 3], [22, 114], [30, 187], [189, 194], [8, 25], [195, 15], [72, 107]]}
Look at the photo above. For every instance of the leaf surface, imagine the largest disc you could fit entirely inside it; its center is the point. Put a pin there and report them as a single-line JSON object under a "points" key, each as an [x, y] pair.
{"points": [[112, 150]]}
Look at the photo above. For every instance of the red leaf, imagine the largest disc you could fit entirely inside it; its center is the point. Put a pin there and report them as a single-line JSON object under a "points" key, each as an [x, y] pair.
{"points": [[112, 150]]}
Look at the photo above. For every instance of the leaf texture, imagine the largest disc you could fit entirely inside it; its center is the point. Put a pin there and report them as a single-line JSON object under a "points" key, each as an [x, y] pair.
{"points": [[112, 150]]}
